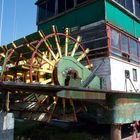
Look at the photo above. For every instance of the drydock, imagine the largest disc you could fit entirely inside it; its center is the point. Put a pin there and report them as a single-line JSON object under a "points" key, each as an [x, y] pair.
{"points": [[84, 60]]}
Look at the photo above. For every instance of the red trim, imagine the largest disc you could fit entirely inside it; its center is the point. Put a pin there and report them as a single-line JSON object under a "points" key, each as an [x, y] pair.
{"points": [[122, 31], [109, 27], [129, 46], [120, 43], [11, 51], [108, 38]]}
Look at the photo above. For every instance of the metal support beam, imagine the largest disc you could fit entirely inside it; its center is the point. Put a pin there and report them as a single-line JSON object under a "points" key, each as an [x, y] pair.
{"points": [[115, 132]]}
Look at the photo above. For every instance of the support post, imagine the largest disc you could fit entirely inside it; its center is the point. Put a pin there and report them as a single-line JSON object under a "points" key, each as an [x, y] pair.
{"points": [[7, 102], [115, 131], [6, 126]]}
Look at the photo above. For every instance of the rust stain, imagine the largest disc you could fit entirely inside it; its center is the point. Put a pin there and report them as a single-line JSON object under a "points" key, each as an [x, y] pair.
{"points": [[125, 113]]}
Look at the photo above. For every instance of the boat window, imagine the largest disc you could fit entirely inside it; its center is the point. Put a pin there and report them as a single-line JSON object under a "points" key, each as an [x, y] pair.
{"points": [[124, 46], [42, 11], [133, 50], [50, 8], [114, 39], [80, 1], [137, 8], [69, 4], [133, 47], [139, 50], [134, 75], [61, 6], [64, 5], [129, 5], [115, 43], [132, 5], [122, 2], [124, 43]]}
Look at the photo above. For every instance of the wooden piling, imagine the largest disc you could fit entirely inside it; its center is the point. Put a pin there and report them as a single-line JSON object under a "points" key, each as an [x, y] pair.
{"points": [[115, 132]]}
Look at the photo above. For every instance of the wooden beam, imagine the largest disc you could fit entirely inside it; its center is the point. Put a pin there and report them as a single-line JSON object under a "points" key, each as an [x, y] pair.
{"points": [[115, 132]]}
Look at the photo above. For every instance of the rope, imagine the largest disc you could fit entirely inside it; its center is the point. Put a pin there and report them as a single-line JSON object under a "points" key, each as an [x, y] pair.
{"points": [[1, 21], [14, 22]]}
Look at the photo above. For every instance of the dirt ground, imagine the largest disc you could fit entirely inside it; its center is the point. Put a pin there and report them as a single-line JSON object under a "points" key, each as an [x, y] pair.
{"points": [[28, 130]]}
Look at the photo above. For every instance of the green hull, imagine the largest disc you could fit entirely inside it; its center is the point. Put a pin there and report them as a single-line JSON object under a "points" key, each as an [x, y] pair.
{"points": [[119, 109]]}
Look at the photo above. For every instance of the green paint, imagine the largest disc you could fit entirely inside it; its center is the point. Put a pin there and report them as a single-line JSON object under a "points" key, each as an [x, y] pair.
{"points": [[124, 109], [69, 63], [137, 28], [79, 16], [118, 109], [121, 19]]}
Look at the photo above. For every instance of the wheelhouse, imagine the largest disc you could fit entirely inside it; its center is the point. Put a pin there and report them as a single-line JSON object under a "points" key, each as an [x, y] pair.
{"points": [[51, 8]]}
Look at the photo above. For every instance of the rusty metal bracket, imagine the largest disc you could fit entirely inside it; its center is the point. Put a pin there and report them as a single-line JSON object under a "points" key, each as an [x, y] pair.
{"points": [[135, 125]]}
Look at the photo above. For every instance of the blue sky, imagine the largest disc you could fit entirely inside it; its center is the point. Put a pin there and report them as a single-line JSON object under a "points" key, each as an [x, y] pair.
{"points": [[25, 19]]}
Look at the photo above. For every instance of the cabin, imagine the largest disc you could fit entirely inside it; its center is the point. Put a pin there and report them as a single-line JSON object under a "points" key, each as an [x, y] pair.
{"points": [[109, 28]]}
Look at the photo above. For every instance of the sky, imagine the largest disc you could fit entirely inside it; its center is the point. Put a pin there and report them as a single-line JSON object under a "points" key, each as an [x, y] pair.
{"points": [[19, 19]]}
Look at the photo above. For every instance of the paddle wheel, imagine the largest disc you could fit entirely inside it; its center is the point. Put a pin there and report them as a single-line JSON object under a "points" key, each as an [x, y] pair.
{"points": [[54, 59]]}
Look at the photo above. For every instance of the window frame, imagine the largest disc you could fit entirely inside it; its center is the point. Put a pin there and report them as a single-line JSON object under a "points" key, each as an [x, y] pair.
{"points": [[135, 12], [61, 7], [116, 48], [132, 13], [75, 5], [122, 34], [139, 51], [132, 50], [123, 55], [135, 75], [71, 7], [47, 3], [38, 12], [84, 1], [126, 4], [113, 50]]}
